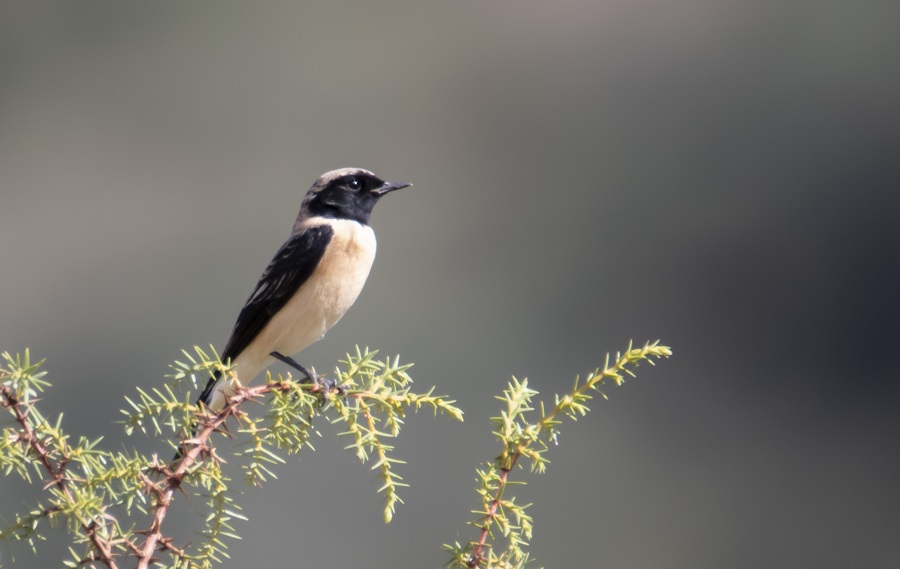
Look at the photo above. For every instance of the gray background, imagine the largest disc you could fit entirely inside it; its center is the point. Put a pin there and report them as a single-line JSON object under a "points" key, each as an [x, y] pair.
{"points": [[721, 175]]}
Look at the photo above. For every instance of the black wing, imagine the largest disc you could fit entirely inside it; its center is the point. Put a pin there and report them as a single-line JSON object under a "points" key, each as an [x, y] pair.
{"points": [[288, 270], [286, 273]]}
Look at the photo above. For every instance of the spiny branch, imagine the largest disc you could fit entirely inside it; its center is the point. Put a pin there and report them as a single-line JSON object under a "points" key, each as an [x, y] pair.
{"points": [[102, 546], [477, 555], [197, 450], [519, 440]]}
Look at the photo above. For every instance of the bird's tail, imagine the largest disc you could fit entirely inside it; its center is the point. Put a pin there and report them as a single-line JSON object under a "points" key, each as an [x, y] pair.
{"points": [[204, 399]]}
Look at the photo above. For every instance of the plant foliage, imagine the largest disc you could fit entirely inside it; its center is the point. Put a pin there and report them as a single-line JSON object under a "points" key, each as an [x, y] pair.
{"points": [[114, 504], [102, 496], [525, 430]]}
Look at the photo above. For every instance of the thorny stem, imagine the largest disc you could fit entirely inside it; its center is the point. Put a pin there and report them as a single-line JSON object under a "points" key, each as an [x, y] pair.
{"points": [[630, 356], [477, 555], [197, 447], [102, 546]]}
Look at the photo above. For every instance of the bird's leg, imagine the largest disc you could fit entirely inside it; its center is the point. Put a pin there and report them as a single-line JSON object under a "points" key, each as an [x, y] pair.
{"points": [[325, 383], [310, 376]]}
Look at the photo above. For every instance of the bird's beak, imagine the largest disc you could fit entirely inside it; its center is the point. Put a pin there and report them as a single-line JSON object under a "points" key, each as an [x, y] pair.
{"points": [[390, 187]]}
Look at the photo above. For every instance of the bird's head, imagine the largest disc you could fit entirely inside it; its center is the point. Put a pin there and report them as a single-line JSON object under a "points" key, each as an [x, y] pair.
{"points": [[348, 193]]}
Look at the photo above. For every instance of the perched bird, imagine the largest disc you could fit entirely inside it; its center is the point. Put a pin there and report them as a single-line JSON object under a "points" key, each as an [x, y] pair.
{"points": [[310, 283]]}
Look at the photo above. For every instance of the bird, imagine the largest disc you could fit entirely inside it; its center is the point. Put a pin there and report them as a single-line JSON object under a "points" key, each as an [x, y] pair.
{"points": [[309, 284]]}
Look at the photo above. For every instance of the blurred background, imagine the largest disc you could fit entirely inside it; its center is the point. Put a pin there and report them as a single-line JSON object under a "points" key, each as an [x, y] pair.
{"points": [[724, 176]]}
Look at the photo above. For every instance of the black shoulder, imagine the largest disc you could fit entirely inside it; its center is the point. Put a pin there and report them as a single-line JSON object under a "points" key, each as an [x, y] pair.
{"points": [[286, 273]]}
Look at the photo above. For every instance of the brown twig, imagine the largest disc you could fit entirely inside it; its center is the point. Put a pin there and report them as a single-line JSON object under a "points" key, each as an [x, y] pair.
{"points": [[102, 546], [196, 448], [630, 356], [477, 555]]}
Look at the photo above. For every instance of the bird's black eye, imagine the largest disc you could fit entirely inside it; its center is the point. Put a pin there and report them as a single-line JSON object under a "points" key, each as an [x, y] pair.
{"points": [[354, 184]]}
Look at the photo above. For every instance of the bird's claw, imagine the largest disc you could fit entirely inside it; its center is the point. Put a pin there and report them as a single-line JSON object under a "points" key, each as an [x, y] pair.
{"points": [[328, 385], [324, 384]]}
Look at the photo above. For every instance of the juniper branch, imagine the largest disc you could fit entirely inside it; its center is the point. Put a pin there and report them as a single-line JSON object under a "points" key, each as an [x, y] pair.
{"points": [[367, 386], [518, 437], [197, 449], [55, 472]]}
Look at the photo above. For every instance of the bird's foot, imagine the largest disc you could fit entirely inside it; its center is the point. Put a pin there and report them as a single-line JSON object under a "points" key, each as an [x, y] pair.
{"points": [[325, 384]]}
